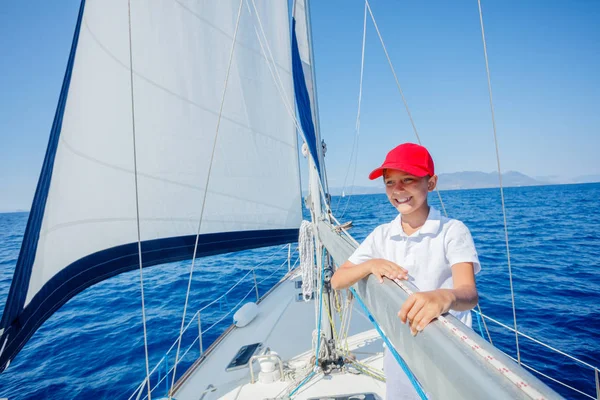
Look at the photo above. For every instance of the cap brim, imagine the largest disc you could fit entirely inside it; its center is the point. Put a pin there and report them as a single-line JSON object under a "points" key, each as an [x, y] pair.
{"points": [[410, 169]]}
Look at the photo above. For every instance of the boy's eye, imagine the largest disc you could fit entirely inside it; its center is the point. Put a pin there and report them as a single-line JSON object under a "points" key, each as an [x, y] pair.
{"points": [[408, 180]]}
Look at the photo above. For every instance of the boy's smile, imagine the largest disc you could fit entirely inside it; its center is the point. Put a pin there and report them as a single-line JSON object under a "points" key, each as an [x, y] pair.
{"points": [[402, 200], [408, 194]]}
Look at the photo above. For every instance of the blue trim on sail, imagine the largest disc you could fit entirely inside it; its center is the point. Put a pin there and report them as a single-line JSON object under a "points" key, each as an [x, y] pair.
{"points": [[303, 101], [20, 282], [104, 264]]}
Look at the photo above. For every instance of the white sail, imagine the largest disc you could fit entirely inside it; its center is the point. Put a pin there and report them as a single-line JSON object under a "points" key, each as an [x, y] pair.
{"points": [[158, 72]]}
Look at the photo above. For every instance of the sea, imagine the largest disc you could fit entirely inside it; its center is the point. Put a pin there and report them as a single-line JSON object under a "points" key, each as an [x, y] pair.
{"points": [[93, 347]]}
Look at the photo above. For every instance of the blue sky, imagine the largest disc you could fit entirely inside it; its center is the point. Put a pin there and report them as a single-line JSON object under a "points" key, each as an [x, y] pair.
{"points": [[544, 59]]}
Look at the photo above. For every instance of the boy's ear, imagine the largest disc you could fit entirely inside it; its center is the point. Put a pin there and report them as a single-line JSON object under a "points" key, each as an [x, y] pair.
{"points": [[432, 183]]}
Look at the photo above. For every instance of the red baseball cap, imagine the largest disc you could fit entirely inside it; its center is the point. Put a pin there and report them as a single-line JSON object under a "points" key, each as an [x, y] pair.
{"points": [[408, 157]]}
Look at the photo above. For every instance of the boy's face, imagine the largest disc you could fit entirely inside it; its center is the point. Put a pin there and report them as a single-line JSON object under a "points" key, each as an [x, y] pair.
{"points": [[406, 192]]}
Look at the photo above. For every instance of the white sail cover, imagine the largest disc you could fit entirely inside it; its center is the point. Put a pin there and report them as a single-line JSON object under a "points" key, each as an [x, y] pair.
{"points": [[83, 224]]}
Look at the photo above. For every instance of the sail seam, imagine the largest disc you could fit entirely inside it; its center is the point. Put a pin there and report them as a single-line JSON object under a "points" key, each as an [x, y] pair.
{"points": [[239, 42], [115, 220], [190, 102]]}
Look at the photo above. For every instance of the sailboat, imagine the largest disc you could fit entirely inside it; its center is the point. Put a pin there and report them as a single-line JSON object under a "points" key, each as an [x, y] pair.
{"points": [[175, 137]]}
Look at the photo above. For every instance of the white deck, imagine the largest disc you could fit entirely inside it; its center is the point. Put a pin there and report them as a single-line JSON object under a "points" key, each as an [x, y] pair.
{"points": [[285, 326]]}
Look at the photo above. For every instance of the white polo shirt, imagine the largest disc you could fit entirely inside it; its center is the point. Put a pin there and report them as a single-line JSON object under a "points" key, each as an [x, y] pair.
{"points": [[427, 255]]}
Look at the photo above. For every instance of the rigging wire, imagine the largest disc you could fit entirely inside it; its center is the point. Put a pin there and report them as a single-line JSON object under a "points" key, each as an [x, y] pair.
{"points": [[412, 122], [237, 24], [512, 292], [137, 203], [393, 72], [401, 92], [357, 126]]}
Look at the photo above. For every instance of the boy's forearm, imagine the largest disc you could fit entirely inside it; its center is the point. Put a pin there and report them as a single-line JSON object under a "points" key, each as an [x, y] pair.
{"points": [[345, 277], [463, 298]]}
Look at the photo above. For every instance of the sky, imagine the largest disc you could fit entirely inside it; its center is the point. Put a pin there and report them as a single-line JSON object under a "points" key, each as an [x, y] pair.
{"points": [[544, 60]]}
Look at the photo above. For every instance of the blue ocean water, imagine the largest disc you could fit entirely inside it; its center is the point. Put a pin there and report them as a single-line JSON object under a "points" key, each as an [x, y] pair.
{"points": [[93, 346]]}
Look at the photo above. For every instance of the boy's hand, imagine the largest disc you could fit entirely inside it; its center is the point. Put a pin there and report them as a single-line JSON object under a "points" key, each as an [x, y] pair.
{"points": [[423, 307], [380, 268]]}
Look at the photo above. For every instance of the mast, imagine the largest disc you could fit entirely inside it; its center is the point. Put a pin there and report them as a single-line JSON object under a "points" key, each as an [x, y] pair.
{"points": [[317, 178], [322, 254]]}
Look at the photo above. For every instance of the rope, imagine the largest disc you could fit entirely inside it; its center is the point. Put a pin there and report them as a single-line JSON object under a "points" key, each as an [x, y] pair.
{"points": [[362, 368], [137, 203], [306, 250], [206, 191], [479, 325], [512, 292], [320, 313], [485, 325], [302, 383], [320, 338], [368, 370]]}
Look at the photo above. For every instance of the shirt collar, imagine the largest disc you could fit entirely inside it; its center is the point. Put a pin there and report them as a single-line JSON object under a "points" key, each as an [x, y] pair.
{"points": [[431, 225]]}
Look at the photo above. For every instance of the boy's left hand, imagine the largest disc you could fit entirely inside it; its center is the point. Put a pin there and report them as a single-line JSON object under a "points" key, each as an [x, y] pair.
{"points": [[423, 307]]}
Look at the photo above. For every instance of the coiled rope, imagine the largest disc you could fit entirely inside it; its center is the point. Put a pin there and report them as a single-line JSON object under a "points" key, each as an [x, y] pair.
{"points": [[306, 248]]}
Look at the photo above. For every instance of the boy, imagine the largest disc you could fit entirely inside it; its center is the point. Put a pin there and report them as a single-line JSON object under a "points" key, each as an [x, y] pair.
{"points": [[435, 253]]}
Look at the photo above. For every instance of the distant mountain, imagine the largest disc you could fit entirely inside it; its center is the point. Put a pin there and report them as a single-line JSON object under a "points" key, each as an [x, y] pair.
{"points": [[554, 179], [587, 179], [464, 180], [478, 180]]}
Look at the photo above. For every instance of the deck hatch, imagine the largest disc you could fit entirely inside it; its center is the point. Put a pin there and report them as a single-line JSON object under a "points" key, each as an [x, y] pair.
{"points": [[243, 356]]}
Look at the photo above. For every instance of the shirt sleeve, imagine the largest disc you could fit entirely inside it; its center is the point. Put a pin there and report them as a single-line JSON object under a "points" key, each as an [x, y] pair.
{"points": [[460, 246], [366, 251]]}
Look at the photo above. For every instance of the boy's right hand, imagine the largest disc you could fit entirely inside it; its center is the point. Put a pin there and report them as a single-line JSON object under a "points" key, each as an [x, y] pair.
{"points": [[380, 268]]}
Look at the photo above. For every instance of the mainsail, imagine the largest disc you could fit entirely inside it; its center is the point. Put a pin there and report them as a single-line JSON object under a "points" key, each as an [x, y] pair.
{"points": [[150, 136]]}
